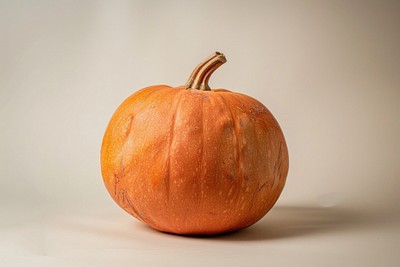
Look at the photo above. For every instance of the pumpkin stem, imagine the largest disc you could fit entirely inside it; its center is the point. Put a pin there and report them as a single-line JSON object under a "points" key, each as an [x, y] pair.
{"points": [[202, 73]]}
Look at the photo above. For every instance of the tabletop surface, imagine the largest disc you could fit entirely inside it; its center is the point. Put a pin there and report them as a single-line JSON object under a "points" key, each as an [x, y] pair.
{"points": [[287, 236]]}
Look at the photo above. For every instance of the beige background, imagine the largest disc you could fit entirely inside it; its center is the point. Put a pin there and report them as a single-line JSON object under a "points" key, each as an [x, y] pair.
{"points": [[328, 70]]}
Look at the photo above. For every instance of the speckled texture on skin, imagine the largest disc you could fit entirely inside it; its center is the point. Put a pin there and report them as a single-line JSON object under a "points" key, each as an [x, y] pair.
{"points": [[194, 162]]}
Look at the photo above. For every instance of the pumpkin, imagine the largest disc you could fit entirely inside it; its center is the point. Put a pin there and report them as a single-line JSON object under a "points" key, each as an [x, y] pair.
{"points": [[194, 161]]}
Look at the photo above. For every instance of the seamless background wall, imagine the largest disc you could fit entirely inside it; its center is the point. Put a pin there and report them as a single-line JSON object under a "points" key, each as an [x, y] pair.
{"points": [[328, 70]]}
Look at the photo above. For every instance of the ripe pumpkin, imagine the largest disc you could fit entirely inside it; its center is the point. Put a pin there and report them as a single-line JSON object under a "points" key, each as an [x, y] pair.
{"points": [[191, 160]]}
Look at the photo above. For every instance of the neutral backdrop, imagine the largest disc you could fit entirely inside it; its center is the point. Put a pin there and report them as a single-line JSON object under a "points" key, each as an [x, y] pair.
{"points": [[328, 70]]}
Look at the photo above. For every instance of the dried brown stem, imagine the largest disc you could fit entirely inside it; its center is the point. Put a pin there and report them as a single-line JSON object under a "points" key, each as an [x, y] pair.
{"points": [[202, 73]]}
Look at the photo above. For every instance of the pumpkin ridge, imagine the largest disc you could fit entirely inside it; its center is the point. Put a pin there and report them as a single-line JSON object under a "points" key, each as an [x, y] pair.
{"points": [[244, 179], [118, 177], [171, 137], [202, 177], [235, 132], [122, 176]]}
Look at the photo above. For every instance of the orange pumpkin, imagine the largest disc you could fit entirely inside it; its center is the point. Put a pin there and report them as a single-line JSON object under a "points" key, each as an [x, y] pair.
{"points": [[191, 160]]}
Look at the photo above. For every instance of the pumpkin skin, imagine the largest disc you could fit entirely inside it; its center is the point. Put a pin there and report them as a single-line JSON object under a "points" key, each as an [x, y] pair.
{"points": [[194, 162]]}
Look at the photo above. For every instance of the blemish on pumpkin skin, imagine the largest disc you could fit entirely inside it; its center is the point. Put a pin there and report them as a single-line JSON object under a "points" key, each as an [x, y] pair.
{"points": [[134, 210], [231, 176], [116, 181], [277, 167], [230, 191], [129, 126], [122, 167], [240, 109], [261, 187], [121, 198]]}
